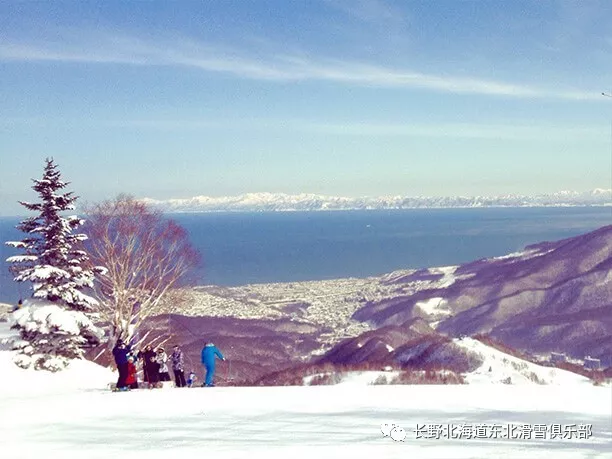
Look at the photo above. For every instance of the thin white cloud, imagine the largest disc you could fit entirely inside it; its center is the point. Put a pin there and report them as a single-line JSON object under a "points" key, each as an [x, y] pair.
{"points": [[370, 11], [532, 132], [178, 52], [370, 129], [462, 130], [21, 52]]}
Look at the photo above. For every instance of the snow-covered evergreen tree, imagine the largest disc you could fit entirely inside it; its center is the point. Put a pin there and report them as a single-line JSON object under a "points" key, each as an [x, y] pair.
{"points": [[57, 323]]}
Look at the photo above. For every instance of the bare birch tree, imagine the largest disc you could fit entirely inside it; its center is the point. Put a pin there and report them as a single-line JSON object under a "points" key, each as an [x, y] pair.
{"points": [[146, 256]]}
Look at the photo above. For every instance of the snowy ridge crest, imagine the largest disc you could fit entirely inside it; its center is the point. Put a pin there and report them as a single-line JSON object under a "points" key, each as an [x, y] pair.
{"points": [[266, 201]]}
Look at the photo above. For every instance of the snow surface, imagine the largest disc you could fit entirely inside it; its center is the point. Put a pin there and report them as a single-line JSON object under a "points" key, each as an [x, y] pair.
{"points": [[448, 278], [523, 255], [507, 369], [72, 414], [361, 378], [434, 306], [80, 374]]}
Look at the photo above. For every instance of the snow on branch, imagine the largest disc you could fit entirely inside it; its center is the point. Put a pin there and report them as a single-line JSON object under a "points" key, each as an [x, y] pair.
{"points": [[50, 333], [17, 244], [21, 258]]}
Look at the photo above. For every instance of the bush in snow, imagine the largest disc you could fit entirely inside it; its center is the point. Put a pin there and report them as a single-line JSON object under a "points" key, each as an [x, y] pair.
{"points": [[60, 273]]}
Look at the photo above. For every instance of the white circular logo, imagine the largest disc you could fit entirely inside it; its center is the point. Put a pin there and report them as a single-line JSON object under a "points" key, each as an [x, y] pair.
{"points": [[386, 428], [398, 433]]}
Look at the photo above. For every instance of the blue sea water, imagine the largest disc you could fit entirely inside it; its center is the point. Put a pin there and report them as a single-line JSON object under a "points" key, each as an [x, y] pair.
{"points": [[241, 248]]}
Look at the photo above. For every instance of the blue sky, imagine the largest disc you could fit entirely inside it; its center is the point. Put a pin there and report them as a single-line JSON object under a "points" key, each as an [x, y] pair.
{"points": [[354, 98]]}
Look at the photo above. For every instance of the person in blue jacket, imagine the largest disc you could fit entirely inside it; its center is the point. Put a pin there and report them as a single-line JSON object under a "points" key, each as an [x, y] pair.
{"points": [[209, 353]]}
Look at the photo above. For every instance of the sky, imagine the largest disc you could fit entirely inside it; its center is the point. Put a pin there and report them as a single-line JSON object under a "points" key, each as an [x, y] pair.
{"points": [[335, 97]]}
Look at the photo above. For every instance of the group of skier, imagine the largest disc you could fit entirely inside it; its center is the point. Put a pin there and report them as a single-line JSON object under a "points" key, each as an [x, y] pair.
{"points": [[155, 366]]}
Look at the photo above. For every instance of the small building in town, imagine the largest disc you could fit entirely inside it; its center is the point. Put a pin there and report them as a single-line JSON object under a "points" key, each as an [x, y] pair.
{"points": [[592, 364], [558, 357]]}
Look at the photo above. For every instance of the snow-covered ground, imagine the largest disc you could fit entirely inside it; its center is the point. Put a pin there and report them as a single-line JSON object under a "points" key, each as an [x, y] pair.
{"points": [[437, 308], [360, 378], [73, 414], [499, 367]]}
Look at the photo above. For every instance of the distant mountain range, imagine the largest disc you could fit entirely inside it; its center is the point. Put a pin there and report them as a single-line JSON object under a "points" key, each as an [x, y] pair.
{"points": [[266, 202]]}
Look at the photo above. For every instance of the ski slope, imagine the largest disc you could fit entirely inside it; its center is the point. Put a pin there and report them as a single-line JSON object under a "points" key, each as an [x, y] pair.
{"points": [[74, 415], [501, 368]]}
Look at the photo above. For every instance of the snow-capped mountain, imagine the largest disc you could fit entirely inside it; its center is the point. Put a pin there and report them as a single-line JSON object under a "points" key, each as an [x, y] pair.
{"points": [[260, 202]]}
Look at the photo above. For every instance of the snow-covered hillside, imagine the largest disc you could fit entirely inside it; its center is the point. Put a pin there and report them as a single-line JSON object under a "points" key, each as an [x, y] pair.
{"points": [[309, 201], [499, 367], [551, 297], [80, 374], [357, 377]]}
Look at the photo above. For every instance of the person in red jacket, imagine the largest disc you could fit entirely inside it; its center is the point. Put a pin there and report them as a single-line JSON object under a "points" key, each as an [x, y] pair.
{"points": [[131, 380]]}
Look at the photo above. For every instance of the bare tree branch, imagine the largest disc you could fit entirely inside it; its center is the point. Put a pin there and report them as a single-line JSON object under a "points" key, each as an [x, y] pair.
{"points": [[145, 255]]}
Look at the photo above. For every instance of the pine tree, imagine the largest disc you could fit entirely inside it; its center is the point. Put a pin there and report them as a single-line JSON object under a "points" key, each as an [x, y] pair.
{"points": [[56, 323]]}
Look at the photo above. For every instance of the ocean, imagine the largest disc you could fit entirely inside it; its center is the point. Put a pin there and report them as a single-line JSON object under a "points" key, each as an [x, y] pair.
{"points": [[243, 248]]}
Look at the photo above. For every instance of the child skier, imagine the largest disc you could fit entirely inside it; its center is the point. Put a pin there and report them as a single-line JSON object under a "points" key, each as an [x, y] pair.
{"points": [[131, 380], [191, 379]]}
